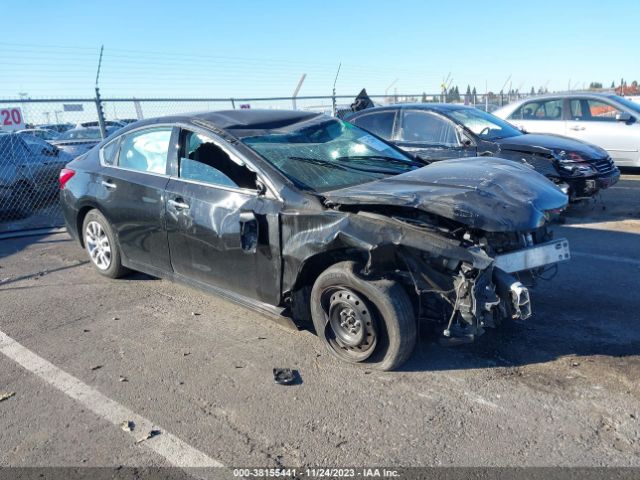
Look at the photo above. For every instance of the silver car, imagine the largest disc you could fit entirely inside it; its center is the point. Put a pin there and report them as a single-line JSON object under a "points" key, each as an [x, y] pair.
{"points": [[607, 120]]}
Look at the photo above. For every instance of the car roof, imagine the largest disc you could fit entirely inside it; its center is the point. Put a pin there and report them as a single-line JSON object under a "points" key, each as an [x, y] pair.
{"points": [[257, 119], [435, 107]]}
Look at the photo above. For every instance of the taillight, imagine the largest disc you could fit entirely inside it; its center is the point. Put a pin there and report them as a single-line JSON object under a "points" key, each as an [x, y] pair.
{"points": [[65, 176]]}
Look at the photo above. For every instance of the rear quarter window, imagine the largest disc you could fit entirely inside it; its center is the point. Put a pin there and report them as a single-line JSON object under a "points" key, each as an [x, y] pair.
{"points": [[109, 153], [378, 123]]}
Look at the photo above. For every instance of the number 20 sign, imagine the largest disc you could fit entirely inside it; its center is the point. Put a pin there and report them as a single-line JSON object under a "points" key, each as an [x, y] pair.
{"points": [[11, 119]]}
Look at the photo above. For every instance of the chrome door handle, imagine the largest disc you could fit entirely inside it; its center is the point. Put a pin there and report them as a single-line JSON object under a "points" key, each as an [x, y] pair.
{"points": [[179, 205], [109, 185], [576, 128]]}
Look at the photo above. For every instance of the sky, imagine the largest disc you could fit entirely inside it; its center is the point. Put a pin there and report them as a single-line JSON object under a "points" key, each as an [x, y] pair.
{"points": [[252, 48]]}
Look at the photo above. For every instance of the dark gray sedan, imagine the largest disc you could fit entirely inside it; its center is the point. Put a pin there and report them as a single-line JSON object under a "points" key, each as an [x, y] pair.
{"points": [[309, 218]]}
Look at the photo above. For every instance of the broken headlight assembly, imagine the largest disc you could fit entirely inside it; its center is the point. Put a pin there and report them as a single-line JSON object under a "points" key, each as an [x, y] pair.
{"points": [[573, 164]]}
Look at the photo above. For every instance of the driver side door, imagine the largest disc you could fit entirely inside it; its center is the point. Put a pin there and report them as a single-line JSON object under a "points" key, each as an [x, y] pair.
{"points": [[223, 230]]}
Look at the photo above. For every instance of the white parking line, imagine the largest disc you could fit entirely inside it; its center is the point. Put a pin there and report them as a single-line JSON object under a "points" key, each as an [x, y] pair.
{"points": [[174, 450], [608, 258]]}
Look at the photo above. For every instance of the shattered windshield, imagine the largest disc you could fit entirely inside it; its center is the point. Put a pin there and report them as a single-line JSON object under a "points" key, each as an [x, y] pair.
{"points": [[484, 125], [326, 153]]}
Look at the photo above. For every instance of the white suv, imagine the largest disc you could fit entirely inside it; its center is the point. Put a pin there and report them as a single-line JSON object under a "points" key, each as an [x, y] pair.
{"points": [[607, 120]]}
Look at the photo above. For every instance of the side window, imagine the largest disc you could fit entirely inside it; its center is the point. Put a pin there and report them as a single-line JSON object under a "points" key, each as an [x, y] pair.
{"points": [[146, 150], [427, 127], [539, 110], [378, 123], [109, 152], [593, 111], [204, 161]]}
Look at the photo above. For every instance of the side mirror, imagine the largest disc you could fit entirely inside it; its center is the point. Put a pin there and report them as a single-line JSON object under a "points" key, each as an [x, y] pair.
{"points": [[623, 117]]}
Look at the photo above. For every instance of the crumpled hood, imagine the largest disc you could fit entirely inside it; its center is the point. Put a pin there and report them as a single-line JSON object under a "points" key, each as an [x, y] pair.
{"points": [[547, 143], [487, 193]]}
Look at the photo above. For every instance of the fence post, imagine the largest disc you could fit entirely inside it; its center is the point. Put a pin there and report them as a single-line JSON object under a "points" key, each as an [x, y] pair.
{"points": [[101, 122], [233, 103]]}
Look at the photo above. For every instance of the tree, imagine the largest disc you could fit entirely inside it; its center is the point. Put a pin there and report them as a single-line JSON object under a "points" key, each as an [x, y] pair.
{"points": [[424, 97], [595, 86], [533, 91], [613, 84]]}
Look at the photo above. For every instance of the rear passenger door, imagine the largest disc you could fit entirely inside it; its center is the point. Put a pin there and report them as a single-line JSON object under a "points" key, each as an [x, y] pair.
{"points": [[541, 116], [431, 136], [594, 121], [130, 191]]}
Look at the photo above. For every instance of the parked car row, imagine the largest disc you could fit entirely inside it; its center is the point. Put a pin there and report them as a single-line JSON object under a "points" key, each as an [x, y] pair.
{"points": [[437, 132], [29, 170]]}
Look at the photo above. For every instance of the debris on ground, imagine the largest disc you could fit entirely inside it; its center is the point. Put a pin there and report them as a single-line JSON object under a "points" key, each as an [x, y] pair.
{"points": [[186, 354], [115, 318], [96, 367], [6, 396], [123, 379], [128, 426], [286, 376], [86, 330], [575, 364], [195, 314], [151, 434]]}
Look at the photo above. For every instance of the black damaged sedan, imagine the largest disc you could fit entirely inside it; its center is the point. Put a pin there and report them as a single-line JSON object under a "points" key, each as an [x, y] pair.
{"points": [[312, 219], [436, 132]]}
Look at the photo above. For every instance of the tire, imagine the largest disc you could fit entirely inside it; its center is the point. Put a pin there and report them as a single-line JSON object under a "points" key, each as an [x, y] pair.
{"points": [[101, 246], [371, 322]]}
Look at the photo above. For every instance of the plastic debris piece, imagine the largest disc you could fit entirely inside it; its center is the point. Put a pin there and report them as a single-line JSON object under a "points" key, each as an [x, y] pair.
{"points": [[286, 376], [128, 426], [123, 379], [151, 434], [6, 396], [96, 367]]}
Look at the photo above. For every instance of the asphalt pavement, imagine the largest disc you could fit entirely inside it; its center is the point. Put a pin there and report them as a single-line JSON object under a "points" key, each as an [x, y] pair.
{"points": [[193, 373]]}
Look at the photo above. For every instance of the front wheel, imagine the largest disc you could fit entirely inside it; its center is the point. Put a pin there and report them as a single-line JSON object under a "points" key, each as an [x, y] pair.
{"points": [[363, 321], [101, 246]]}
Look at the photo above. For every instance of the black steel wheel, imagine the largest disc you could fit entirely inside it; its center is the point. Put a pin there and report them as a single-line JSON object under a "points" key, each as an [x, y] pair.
{"points": [[353, 327], [368, 321]]}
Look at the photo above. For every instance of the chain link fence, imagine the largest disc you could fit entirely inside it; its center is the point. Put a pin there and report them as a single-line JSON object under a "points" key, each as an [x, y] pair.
{"points": [[39, 136]]}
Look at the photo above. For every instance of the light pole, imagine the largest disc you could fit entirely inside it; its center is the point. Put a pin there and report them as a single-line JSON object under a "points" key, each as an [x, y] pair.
{"points": [[24, 96]]}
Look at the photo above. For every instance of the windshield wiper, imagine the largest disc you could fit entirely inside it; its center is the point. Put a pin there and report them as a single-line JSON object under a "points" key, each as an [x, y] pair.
{"points": [[346, 168], [397, 161]]}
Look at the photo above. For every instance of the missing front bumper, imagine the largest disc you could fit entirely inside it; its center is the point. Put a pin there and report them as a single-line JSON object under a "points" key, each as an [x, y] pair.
{"points": [[534, 257]]}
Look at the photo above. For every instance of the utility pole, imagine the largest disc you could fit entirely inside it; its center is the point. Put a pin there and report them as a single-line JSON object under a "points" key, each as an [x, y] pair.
{"points": [[48, 115], [386, 90], [24, 96], [295, 92], [101, 122], [333, 97], [56, 112]]}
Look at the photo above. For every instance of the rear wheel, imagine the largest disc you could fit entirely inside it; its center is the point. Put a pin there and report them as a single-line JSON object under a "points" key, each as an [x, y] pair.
{"points": [[101, 246], [363, 321]]}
